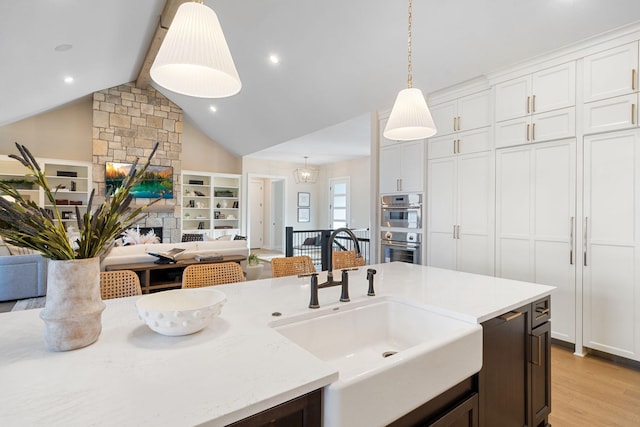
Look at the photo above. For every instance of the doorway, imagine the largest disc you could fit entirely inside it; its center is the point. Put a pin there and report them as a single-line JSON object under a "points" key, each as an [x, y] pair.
{"points": [[266, 212], [339, 202]]}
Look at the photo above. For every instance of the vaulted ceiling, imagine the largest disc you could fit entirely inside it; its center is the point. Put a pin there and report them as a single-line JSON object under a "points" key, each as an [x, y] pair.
{"points": [[339, 60]]}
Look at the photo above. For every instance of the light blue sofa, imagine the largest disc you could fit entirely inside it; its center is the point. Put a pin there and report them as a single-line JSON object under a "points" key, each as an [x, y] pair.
{"points": [[22, 276]]}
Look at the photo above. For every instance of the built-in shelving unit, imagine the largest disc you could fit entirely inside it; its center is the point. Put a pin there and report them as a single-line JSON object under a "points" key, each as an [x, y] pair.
{"points": [[210, 203], [69, 180]]}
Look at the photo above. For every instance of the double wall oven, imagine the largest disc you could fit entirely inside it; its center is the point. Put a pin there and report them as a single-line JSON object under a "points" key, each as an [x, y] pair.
{"points": [[401, 223]]}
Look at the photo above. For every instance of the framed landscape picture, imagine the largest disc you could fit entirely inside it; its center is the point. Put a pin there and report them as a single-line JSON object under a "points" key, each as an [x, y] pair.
{"points": [[156, 183]]}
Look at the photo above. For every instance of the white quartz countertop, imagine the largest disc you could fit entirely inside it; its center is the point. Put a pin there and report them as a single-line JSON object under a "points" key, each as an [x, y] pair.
{"points": [[235, 367]]}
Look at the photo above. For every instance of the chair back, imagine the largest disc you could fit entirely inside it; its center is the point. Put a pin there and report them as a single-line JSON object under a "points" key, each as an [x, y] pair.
{"points": [[119, 284], [346, 259], [192, 237], [200, 275], [291, 266]]}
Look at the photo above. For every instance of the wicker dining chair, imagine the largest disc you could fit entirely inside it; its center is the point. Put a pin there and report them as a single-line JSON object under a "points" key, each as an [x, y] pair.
{"points": [[346, 259], [291, 266], [119, 284], [200, 275]]}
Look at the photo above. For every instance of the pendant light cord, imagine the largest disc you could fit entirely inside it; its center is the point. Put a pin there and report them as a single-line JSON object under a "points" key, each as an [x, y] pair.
{"points": [[409, 70]]}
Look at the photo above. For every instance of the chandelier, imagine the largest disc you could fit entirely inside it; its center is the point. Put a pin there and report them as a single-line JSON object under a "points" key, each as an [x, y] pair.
{"points": [[305, 175], [194, 58], [410, 118]]}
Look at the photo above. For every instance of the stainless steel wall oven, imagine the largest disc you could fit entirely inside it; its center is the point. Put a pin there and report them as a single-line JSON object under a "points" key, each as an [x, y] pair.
{"points": [[401, 246], [401, 211]]}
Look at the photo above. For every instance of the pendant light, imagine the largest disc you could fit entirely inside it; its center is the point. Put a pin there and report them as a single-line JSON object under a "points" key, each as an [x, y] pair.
{"points": [[194, 58], [305, 175], [410, 118]]}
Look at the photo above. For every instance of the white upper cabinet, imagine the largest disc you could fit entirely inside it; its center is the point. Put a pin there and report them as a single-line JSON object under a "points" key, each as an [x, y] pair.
{"points": [[610, 89], [473, 141], [541, 127], [462, 114], [402, 167], [611, 73], [546, 90]]}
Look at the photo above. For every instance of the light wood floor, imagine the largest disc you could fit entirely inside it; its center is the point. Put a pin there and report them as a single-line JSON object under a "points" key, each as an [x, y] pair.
{"points": [[591, 391]]}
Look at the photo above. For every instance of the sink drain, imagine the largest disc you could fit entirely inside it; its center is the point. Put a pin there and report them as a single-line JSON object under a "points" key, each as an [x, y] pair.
{"points": [[388, 353]]}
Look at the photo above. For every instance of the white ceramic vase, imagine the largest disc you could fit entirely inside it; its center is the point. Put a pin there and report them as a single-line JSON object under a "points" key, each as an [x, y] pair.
{"points": [[73, 309]]}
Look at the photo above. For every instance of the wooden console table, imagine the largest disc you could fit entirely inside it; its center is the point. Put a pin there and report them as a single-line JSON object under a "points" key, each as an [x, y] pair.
{"points": [[163, 276]]}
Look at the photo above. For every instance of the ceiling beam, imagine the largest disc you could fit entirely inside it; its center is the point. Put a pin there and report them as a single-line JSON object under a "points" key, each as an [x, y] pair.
{"points": [[168, 13]]}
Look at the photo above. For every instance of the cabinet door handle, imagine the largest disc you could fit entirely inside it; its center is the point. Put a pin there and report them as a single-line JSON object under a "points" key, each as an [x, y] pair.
{"points": [[633, 114], [533, 103], [533, 132], [459, 126], [458, 145], [454, 146], [633, 79], [571, 241], [528, 103], [507, 317], [454, 124], [528, 126], [458, 233], [586, 233], [454, 231], [537, 339]]}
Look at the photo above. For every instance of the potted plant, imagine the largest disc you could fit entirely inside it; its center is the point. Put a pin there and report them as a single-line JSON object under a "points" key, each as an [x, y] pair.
{"points": [[254, 268], [73, 309]]}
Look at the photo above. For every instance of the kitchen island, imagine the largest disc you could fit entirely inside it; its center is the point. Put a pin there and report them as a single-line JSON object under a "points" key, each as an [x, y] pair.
{"points": [[236, 367]]}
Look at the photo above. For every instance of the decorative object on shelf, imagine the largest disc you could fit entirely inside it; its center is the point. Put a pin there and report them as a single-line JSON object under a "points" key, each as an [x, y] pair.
{"points": [[73, 310], [223, 193], [235, 204], [19, 184], [224, 204], [194, 58], [304, 200], [304, 214], [196, 182], [66, 214], [71, 174], [201, 225], [191, 204], [73, 186], [410, 118], [199, 193], [218, 205], [305, 175]]}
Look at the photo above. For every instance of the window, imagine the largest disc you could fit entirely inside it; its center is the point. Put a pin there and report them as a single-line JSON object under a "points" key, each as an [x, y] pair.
{"points": [[339, 202]]}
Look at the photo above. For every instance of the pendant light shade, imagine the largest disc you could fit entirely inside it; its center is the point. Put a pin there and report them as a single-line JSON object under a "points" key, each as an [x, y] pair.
{"points": [[410, 117], [194, 58]]}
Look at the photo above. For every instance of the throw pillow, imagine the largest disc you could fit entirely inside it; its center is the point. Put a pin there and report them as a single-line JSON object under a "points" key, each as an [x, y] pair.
{"points": [[225, 237], [239, 237]]}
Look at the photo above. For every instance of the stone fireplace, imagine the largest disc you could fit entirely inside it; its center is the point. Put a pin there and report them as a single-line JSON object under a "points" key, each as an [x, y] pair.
{"points": [[127, 122]]}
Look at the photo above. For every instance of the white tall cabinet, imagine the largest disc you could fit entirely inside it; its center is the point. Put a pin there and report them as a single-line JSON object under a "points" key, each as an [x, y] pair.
{"points": [[610, 256], [460, 213], [536, 223]]}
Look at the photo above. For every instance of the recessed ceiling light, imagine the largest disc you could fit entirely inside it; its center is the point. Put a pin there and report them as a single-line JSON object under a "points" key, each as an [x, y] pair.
{"points": [[68, 80], [274, 59], [213, 109], [63, 47]]}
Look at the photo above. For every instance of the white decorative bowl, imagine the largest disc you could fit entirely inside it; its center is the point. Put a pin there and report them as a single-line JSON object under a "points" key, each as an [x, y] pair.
{"points": [[180, 311]]}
